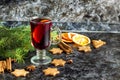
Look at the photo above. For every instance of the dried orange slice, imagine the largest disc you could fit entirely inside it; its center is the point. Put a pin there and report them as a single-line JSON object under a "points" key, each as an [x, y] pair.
{"points": [[70, 35], [67, 37], [81, 40], [67, 41]]}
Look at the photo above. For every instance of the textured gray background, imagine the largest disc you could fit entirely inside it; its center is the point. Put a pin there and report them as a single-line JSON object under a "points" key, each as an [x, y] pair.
{"points": [[62, 10]]}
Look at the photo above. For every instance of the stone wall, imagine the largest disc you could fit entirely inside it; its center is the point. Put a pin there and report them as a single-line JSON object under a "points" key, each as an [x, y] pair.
{"points": [[62, 10]]}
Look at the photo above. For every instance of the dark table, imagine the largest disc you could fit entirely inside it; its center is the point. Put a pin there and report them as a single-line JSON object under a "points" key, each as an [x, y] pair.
{"points": [[100, 64]]}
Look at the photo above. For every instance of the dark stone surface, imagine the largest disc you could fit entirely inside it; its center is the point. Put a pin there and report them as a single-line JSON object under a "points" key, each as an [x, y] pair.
{"points": [[100, 64]]}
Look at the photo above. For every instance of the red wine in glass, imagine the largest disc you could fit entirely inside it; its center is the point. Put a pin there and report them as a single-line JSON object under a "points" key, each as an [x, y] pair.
{"points": [[40, 34]]}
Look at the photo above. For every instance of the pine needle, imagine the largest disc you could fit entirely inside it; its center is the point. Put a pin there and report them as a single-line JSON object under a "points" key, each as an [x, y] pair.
{"points": [[15, 43]]}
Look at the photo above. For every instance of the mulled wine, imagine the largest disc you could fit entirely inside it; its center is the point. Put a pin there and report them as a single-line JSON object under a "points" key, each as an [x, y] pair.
{"points": [[40, 32], [40, 35]]}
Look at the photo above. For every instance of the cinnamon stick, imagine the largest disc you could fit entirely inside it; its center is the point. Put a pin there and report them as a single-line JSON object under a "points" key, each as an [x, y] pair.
{"points": [[8, 64], [1, 67], [4, 64], [65, 47]]}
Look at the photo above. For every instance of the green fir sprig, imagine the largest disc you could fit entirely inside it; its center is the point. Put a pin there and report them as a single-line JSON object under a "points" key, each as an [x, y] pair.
{"points": [[15, 42]]}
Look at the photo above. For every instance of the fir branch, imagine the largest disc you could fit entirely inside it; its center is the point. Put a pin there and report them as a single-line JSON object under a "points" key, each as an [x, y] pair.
{"points": [[15, 43]]}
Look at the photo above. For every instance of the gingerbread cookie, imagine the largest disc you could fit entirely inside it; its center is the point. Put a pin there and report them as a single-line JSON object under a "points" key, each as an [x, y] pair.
{"points": [[84, 48], [58, 62], [98, 43], [19, 72], [30, 68], [56, 51], [51, 71]]}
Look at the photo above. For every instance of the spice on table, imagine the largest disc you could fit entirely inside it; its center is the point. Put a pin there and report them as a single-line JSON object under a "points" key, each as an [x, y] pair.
{"points": [[65, 47], [5, 64]]}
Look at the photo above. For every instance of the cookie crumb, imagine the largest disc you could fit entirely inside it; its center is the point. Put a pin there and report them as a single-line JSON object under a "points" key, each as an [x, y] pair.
{"points": [[31, 67], [70, 61]]}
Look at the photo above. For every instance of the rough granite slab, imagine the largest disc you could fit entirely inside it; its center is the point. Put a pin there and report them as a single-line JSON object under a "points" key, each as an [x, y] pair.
{"points": [[100, 64]]}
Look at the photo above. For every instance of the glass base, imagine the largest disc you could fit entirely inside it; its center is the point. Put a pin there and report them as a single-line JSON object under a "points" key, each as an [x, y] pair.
{"points": [[37, 61]]}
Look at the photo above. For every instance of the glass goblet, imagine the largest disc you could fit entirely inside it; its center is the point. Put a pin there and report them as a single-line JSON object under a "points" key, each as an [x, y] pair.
{"points": [[40, 35]]}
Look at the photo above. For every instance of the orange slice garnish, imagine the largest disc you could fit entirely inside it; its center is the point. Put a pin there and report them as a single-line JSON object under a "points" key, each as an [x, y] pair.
{"points": [[36, 34], [44, 20], [81, 40]]}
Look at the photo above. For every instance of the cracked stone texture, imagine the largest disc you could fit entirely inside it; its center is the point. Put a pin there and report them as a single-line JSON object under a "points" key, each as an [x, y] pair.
{"points": [[100, 64], [62, 10]]}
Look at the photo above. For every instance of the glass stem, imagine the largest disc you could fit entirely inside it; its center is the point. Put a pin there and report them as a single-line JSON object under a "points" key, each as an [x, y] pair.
{"points": [[41, 53]]}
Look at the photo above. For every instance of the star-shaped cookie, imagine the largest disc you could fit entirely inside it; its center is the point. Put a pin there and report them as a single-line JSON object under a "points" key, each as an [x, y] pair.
{"points": [[58, 62], [56, 51], [98, 43], [51, 71], [19, 72], [84, 48]]}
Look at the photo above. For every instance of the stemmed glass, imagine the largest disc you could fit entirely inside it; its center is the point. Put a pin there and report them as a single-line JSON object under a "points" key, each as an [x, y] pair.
{"points": [[41, 39]]}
